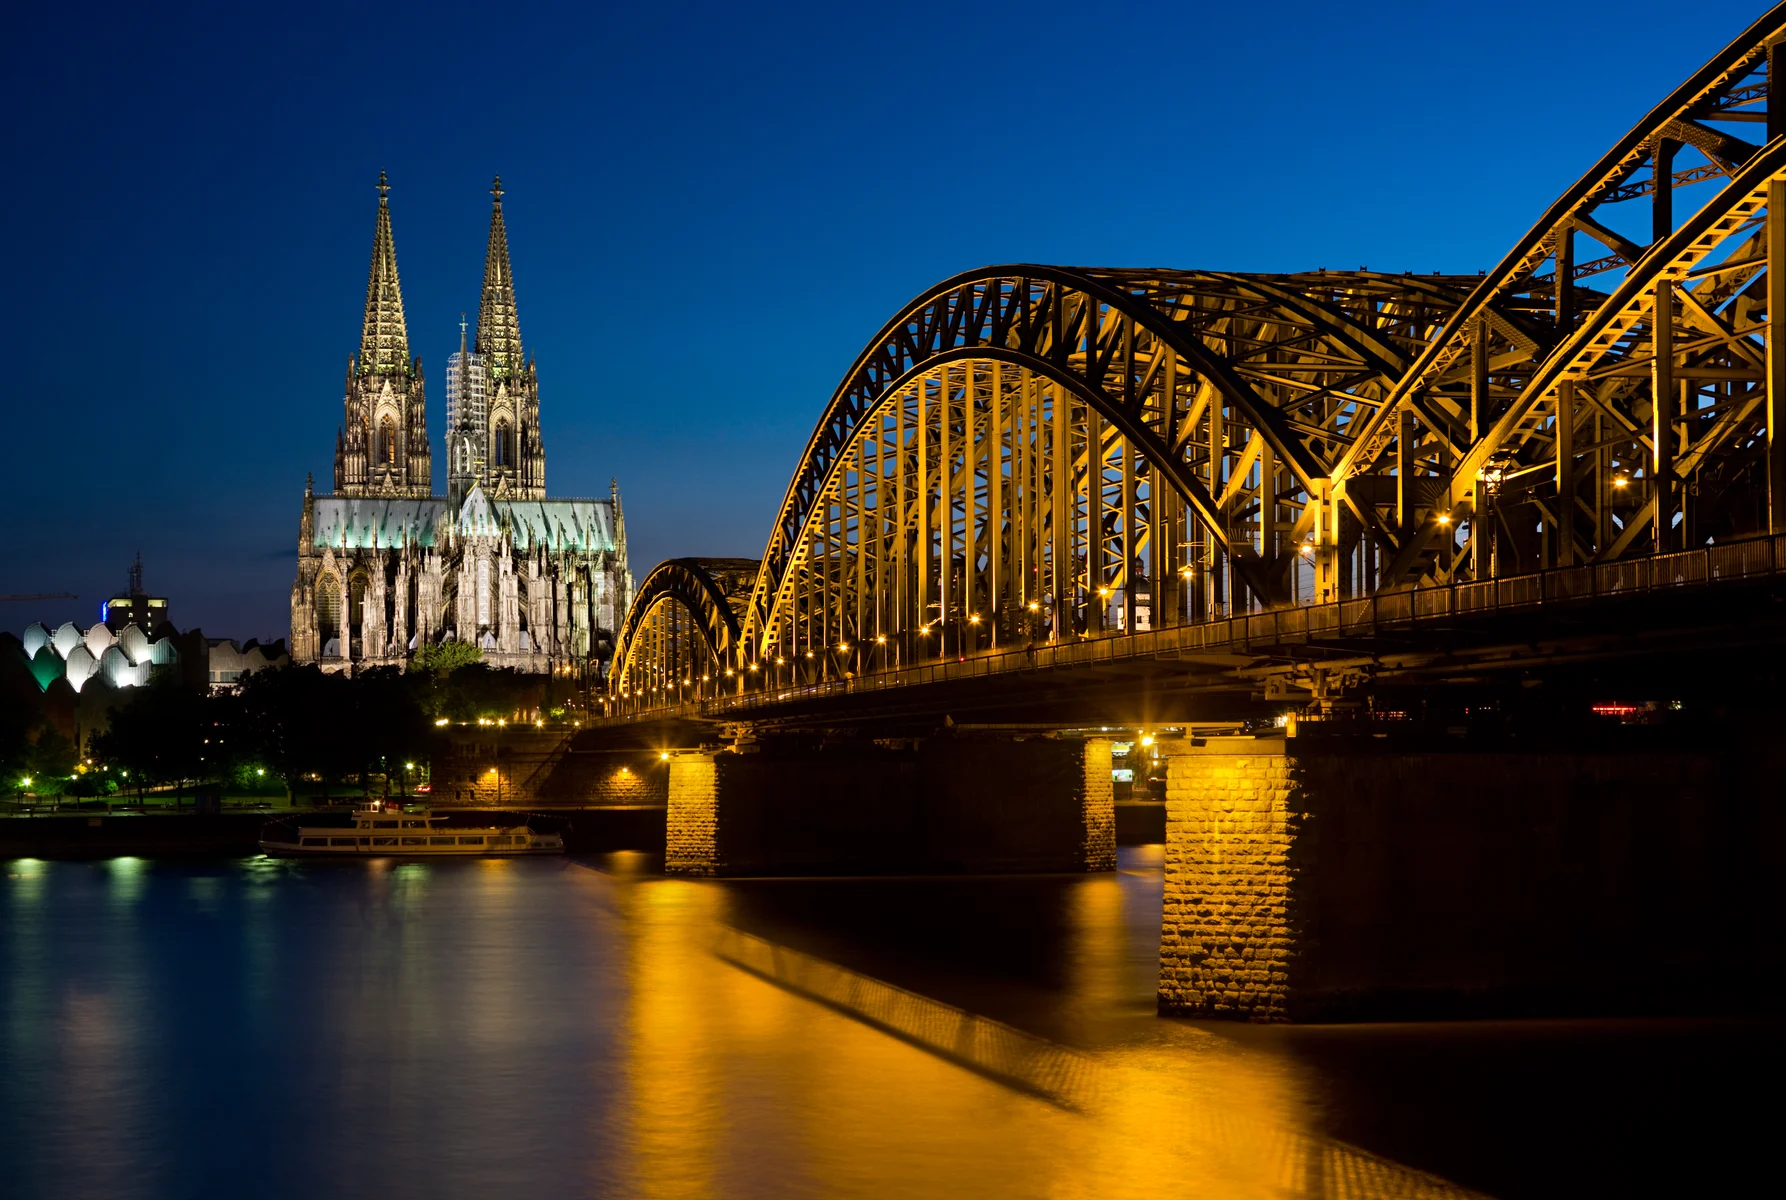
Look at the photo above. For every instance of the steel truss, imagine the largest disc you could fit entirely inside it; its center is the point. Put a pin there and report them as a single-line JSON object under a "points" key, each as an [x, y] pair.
{"points": [[1035, 454], [681, 632]]}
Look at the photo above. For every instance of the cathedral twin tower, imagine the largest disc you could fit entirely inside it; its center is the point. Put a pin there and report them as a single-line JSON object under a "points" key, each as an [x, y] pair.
{"points": [[493, 398], [386, 566]]}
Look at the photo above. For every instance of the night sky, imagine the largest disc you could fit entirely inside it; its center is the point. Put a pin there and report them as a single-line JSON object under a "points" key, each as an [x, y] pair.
{"points": [[710, 207]]}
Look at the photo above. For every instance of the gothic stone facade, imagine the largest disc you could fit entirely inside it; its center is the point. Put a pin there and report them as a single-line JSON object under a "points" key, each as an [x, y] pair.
{"points": [[385, 566]]}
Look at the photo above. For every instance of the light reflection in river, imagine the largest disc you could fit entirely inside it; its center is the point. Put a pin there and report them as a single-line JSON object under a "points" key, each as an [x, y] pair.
{"points": [[566, 1028]]}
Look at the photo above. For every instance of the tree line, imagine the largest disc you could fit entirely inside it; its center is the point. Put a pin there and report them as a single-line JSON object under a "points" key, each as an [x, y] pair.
{"points": [[290, 729]]}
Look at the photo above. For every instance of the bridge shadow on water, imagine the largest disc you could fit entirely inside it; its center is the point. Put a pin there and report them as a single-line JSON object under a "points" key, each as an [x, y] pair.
{"points": [[1221, 1142], [1044, 986]]}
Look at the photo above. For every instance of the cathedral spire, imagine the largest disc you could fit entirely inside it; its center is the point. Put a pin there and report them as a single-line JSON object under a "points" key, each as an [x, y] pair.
{"points": [[499, 327], [384, 338]]}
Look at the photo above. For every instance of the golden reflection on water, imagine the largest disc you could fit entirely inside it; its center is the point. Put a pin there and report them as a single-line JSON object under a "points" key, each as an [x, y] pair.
{"points": [[559, 1030], [677, 1103], [759, 1070]]}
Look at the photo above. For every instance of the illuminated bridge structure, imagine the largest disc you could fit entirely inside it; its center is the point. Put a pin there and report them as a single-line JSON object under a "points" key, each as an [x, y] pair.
{"points": [[1039, 485], [1029, 456]]}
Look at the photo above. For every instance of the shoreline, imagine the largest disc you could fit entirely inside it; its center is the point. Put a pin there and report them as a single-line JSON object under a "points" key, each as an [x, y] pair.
{"points": [[190, 835]]}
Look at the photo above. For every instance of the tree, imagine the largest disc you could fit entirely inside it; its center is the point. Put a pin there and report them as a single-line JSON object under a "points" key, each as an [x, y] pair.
{"points": [[482, 691], [20, 721], [293, 720], [52, 757], [445, 657], [158, 735], [389, 726]]}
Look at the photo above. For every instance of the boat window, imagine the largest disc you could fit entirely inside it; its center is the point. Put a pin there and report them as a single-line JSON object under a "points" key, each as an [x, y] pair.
{"points": [[471, 841], [341, 841], [415, 824], [440, 841], [409, 841], [312, 841], [500, 840], [385, 824], [384, 841]]}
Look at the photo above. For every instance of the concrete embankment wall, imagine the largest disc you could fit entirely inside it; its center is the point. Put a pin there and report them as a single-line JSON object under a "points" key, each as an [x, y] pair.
{"points": [[521, 767], [232, 835], [157, 835], [1324, 881]]}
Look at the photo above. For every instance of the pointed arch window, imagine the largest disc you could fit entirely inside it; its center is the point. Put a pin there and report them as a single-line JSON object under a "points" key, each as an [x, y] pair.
{"points": [[503, 451], [328, 608], [387, 441]]}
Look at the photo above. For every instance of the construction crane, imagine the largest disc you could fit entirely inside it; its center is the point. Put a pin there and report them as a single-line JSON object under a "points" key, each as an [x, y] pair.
{"points": [[40, 596]]}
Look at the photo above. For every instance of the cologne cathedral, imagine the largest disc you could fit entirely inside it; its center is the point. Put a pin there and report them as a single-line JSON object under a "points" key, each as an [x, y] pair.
{"points": [[386, 566]]}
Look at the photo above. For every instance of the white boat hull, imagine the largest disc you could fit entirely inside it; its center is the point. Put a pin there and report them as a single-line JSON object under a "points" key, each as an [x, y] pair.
{"points": [[296, 849]]}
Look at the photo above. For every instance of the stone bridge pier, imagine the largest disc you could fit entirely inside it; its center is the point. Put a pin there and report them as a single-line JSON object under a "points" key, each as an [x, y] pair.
{"points": [[1322, 878], [958, 803]]}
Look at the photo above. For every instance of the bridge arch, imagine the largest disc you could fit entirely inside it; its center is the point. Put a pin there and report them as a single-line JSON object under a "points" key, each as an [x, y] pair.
{"points": [[1548, 454], [1204, 391], [681, 625]]}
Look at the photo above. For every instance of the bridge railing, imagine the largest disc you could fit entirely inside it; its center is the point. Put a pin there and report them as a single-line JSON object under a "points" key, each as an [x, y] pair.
{"points": [[1732, 562]]}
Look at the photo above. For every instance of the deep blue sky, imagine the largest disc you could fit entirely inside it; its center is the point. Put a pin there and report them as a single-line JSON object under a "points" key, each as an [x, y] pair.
{"points": [[711, 208]]}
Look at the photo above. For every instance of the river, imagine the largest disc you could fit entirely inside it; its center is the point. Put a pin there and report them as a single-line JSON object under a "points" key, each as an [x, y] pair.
{"points": [[587, 1027]]}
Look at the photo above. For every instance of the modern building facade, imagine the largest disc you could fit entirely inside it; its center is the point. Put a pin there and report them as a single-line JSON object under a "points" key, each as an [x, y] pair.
{"points": [[386, 566]]}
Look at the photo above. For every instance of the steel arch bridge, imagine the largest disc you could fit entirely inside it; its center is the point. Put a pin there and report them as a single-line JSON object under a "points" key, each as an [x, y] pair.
{"points": [[681, 629], [1029, 454]]}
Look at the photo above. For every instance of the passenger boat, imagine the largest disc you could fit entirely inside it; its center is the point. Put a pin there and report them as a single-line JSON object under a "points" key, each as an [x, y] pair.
{"points": [[389, 828]]}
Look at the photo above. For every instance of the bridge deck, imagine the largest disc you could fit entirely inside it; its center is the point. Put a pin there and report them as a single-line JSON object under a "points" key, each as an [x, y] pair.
{"points": [[1328, 636]]}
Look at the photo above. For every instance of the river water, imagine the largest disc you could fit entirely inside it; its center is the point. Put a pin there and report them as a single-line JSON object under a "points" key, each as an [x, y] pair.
{"points": [[587, 1027]]}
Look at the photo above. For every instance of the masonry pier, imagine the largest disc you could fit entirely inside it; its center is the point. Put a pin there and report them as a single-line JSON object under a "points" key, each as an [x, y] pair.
{"points": [[1321, 878], [960, 803]]}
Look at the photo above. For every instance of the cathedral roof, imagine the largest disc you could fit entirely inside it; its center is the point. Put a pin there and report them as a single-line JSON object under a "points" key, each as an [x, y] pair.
{"points": [[368, 522], [384, 337], [585, 525], [385, 523], [499, 325], [577, 525]]}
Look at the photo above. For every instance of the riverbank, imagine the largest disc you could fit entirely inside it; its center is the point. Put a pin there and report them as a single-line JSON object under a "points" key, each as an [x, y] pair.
{"points": [[200, 835], [173, 833]]}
